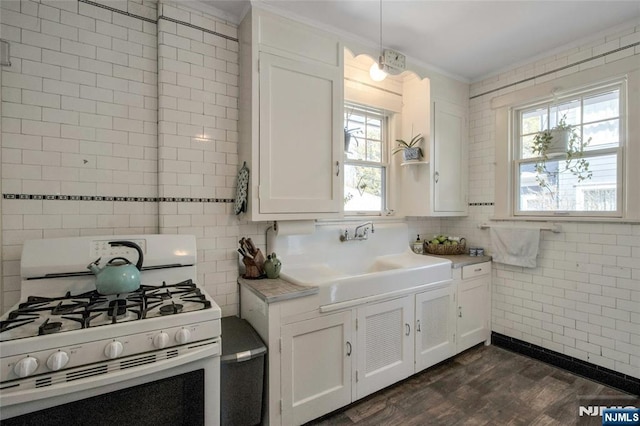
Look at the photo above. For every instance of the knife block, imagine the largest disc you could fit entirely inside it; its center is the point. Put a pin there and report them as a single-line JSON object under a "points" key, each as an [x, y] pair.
{"points": [[254, 268]]}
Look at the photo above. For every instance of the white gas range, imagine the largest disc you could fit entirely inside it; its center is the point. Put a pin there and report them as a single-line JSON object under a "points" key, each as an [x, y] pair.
{"points": [[69, 354]]}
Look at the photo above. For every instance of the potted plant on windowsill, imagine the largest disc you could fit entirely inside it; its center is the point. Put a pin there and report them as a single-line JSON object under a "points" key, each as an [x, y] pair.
{"points": [[561, 140], [410, 151]]}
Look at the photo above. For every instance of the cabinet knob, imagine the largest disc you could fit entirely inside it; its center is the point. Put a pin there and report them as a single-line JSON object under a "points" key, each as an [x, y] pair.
{"points": [[436, 176], [418, 326], [408, 327], [337, 168], [348, 348]]}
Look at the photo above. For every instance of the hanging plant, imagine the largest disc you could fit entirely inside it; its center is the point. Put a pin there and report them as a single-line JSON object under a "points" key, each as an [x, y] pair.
{"points": [[349, 133], [563, 139]]}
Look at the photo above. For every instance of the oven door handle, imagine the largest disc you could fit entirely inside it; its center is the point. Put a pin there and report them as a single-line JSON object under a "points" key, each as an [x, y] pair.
{"points": [[196, 352]]}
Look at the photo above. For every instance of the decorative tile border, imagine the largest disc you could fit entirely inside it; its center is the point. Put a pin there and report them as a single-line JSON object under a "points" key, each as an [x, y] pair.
{"points": [[115, 198], [194, 200], [480, 204]]}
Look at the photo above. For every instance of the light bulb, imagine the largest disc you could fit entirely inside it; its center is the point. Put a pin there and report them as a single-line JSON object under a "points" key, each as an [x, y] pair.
{"points": [[376, 73]]}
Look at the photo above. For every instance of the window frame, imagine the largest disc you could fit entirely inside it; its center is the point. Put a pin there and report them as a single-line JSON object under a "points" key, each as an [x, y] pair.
{"points": [[384, 163], [516, 159]]}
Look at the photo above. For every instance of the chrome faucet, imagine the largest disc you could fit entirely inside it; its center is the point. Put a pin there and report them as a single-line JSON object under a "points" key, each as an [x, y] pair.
{"points": [[362, 235]]}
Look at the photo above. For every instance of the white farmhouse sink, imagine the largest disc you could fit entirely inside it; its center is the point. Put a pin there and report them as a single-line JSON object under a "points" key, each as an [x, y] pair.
{"points": [[357, 269]]}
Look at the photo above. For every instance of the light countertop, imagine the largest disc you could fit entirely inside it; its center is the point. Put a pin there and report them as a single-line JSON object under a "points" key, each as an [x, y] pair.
{"points": [[277, 290]]}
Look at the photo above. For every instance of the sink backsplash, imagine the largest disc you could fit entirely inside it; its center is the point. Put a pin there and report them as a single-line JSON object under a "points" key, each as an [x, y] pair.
{"points": [[324, 246]]}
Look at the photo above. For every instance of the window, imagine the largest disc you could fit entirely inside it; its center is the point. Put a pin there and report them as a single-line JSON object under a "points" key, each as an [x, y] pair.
{"points": [[365, 165], [596, 117]]}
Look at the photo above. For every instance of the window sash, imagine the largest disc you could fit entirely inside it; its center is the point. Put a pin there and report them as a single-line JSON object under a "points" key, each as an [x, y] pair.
{"points": [[383, 164], [618, 152]]}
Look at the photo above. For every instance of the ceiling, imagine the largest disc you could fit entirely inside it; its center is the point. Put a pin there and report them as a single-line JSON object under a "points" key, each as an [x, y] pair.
{"points": [[470, 40]]}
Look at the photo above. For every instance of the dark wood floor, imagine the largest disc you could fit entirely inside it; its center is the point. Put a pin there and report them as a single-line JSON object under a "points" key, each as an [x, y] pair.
{"points": [[485, 385]]}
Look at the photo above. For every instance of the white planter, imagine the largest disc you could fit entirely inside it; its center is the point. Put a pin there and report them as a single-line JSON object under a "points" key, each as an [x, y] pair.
{"points": [[410, 154], [559, 142]]}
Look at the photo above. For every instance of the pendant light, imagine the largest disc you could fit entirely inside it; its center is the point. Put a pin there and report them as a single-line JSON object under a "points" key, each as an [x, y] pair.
{"points": [[377, 72]]}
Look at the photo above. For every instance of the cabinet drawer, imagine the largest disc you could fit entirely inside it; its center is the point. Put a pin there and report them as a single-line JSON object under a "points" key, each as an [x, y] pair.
{"points": [[476, 270]]}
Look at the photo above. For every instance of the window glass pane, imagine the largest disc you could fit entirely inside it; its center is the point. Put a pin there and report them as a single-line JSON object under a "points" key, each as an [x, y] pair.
{"points": [[527, 144], [358, 150], [534, 121], [374, 130], [561, 190], [569, 110], [363, 188], [605, 134], [602, 106], [374, 151]]}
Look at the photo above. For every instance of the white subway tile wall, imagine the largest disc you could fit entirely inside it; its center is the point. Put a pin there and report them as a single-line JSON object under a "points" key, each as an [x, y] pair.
{"points": [[81, 119], [583, 299], [84, 118], [197, 142]]}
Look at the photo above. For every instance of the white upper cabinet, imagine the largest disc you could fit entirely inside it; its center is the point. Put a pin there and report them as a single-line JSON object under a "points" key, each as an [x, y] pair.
{"points": [[291, 95], [449, 132], [437, 186]]}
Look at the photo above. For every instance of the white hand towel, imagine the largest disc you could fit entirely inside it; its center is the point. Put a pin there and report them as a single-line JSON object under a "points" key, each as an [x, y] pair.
{"points": [[515, 246]]}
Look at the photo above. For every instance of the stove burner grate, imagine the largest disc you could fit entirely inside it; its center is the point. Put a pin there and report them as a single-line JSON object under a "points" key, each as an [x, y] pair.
{"points": [[14, 323], [49, 327], [90, 307]]}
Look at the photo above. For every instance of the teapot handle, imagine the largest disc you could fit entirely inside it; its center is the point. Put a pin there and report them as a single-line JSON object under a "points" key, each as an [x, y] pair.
{"points": [[133, 246], [119, 258]]}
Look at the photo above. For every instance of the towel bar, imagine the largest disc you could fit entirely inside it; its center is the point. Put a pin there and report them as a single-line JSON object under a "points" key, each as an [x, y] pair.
{"points": [[556, 229]]}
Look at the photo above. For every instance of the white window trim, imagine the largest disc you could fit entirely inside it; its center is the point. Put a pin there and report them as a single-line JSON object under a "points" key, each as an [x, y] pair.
{"points": [[621, 85], [623, 68]]}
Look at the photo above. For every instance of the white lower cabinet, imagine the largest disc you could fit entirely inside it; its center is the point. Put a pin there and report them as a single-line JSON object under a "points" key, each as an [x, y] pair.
{"points": [[474, 305], [316, 367], [435, 326], [318, 362], [384, 349]]}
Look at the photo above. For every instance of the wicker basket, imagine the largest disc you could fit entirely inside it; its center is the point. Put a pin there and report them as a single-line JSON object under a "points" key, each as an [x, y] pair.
{"points": [[461, 248]]}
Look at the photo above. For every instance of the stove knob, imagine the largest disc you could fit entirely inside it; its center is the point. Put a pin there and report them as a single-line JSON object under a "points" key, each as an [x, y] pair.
{"points": [[26, 366], [113, 350], [161, 340], [57, 360], [183, 336]]}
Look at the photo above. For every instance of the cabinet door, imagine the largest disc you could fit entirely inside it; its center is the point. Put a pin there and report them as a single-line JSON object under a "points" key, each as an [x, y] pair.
{"points": [[316, 367], [473, 312], [300, 136], [449, 164], [435, 326], [384, 344]]}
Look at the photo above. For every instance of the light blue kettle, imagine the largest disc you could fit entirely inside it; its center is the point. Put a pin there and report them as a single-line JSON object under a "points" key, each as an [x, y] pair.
{"points": [[119, 275]]}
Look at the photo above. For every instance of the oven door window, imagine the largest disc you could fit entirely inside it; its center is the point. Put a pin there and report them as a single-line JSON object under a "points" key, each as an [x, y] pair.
{"points": [[177, 400]]}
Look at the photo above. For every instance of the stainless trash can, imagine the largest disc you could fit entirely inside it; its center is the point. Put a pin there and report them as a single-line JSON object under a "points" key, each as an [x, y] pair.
{"points": [[241, 374]]}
